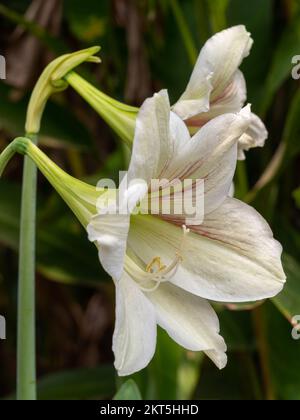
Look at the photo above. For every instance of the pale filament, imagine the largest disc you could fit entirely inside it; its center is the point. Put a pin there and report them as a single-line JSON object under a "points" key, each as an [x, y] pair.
{"points": [[155, 271]]}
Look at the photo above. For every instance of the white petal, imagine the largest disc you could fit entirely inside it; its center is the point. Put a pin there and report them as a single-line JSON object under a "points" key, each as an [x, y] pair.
{"points": [[190, 321], [217, 63], [232, 99], [150, 150], [233, 257], [179, 134], [196, 97], [255, 136], [211, 155], [151, 146], [109, 232], [134, 338]]}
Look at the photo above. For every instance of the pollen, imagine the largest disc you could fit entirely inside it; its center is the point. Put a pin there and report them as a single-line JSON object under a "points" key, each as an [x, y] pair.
{"points": [[155, 263]]}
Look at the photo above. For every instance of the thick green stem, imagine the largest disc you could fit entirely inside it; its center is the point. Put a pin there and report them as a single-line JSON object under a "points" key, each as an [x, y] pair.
{"points": [[26, 364]]}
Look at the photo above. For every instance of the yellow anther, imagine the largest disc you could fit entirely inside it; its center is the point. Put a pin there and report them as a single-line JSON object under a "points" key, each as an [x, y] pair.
{"points": [[156, 262]]}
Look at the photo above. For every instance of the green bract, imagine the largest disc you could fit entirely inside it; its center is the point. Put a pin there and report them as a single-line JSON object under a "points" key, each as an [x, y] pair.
{"points": [[80, 196], [120, 117], [51, 81]]}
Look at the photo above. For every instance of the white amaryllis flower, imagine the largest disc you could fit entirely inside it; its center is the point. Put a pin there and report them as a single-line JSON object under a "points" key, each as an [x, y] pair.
{"points": [[164, 271], [217, 86]]}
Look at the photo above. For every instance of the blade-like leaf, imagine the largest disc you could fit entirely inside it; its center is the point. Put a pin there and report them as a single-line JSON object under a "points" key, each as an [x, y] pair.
{"points": [[281, 66], [128, 391], [284, 358], [77, 384], [288, 301], [297, 197]]}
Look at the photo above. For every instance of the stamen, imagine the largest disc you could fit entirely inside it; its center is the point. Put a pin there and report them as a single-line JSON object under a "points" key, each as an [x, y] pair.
{"points": [[156, 271], [156, 261]]}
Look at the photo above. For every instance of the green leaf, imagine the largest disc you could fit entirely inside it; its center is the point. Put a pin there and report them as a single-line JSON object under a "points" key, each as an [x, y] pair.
{"points": [[297, 197], [235, 382], [128, 391], [77, 384], [281, 65], [217, 12], [10, 200], [164, 367], [291, 131], [260, 25], [284, 361], [288, 149], [288, 301], [88, 20], [236, 328], [173, 69]]}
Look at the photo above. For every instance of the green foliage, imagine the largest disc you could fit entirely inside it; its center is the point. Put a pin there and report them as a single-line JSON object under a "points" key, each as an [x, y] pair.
{"points": [[78, 384], [283, 353], [297, 197], [281, 66], [288, 301], [128, 391]]}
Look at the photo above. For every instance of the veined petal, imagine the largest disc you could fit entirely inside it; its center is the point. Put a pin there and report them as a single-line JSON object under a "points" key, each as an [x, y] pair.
{"points": [[232, 99], [109, 232], [196, 97], [211, 155], [190, 321], [243, 258], [134, 338], [255, 136], [217, 63], [232, 257], [151, 146], [150, 151]]}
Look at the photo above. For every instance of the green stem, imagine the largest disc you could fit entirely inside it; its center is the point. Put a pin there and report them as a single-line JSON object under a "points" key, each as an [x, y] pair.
{"points": [[185, 32], [263, 350], [5, 157], [26, 364]]}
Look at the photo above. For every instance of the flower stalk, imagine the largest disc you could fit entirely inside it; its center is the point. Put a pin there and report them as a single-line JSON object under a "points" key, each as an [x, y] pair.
{"points": [[26, 358]]}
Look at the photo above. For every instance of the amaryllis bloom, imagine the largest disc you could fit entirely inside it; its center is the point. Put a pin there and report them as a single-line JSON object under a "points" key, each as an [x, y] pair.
{"points": [[217, 86], [165, 270]]}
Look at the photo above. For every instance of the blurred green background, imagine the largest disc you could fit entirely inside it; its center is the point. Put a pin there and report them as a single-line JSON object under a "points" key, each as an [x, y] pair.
{"points": [[146, 45]]}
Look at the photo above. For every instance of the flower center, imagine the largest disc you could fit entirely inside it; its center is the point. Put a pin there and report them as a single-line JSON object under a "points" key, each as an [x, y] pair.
{"points": [[155, 263], [156, 271]]}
